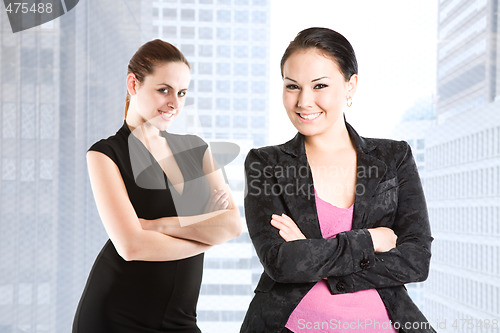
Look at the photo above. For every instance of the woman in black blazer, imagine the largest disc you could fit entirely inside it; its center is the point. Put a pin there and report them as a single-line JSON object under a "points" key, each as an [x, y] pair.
{"points": [[390, 239]]}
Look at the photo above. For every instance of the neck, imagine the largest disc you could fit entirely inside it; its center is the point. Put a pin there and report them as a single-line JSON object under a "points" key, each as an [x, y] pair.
{"points": [[335, 139], [140, 127]]}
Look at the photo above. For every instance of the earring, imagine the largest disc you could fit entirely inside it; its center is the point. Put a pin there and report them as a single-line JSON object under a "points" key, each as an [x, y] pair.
{"points": [[349, 101]]}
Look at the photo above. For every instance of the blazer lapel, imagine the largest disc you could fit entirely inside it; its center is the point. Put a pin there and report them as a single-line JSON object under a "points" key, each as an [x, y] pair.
{"points": [[370, 171], [295, 182]]}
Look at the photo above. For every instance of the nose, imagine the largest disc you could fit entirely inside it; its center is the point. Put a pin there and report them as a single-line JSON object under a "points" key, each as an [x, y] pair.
{"points": [[305, 99], [173, 102]]}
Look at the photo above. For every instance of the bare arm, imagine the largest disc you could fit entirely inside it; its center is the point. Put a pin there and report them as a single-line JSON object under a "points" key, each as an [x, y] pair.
{"points": [[214, 227], [121, 222]]}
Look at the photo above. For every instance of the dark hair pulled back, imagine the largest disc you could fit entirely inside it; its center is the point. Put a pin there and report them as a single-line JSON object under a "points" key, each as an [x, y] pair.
{"points": [[331, 43], [149, 55]]}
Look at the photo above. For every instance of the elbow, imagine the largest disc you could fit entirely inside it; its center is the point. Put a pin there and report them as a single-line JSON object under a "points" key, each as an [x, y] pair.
{"points": [[128, 252], [233, 229]]}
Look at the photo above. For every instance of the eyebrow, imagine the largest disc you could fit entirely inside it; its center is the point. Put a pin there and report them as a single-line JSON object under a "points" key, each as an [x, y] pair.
{"points": [[170, 87], [323, 77]]}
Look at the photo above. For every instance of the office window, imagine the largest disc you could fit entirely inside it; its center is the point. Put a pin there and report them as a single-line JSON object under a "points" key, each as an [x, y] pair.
{"points": [[240, 34], [187, 32], [223, 103], [204, 68], [240, 121], [206, 15], [47, 121], [259, 17], [258, 35], [205, 103], [222, 121], [28, 130], [259, 2], [241, 2], [187, 49], [258, 122], [28, 65], [240, 104], [258, 69], [223, 2], [223, 69], [206, 121], [170, 14], [170, 31], [46, 169], [241, 69], [205, 86], [187, 14], [205, 33], [240, 87], [8, 169], [223, 86], [206, 2], [27, 170], [224, 16], [258, 104], [258, 87], [9, 120], [205, 50], [223, 51], [187, 1], [241, 51], [241, 16], [223, 33], [9, 57], [258, 52]]}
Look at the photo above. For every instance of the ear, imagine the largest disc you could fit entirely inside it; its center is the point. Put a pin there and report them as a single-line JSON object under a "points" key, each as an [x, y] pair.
{"points": [[351, 85], [132, 84]]}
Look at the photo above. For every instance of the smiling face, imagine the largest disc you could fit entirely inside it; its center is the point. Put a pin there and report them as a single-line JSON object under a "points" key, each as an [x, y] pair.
{"points": [[315, 92], [159, 99]]}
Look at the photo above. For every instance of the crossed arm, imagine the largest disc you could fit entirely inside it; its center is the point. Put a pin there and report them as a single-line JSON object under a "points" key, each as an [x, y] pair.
{"points": [[134, 241], [288, 257]]}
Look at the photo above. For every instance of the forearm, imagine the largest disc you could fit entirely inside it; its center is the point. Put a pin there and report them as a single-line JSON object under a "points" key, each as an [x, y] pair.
{"points": [[311, 260], [210, 228], [147, 245]]}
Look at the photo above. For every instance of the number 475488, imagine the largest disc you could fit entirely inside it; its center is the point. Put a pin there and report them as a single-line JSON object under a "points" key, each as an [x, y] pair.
{"points": [[23, 7]]}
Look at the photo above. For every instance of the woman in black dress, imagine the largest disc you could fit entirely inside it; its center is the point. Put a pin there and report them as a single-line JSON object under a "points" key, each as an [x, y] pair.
{"points": [[162, 202]]}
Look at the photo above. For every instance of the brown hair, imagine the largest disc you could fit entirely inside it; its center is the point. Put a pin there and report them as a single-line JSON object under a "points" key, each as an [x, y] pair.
{"points": [[333, 44], [148, 56]]}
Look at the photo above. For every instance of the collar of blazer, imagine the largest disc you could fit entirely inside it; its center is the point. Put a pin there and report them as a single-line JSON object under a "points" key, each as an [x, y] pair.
{"points": [[293, 174]]}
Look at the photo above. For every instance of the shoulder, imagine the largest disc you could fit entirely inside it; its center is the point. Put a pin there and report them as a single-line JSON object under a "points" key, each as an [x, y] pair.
{"points": [[392, 152], [186, 141], [267, 154], [115, 146]]}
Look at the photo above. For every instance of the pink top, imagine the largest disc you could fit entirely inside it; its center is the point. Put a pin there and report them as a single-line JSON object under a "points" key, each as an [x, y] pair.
{"points": [[320, 311]]}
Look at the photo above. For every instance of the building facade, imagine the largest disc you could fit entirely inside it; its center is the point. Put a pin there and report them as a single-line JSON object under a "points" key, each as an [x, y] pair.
{"points": [[227, 45], [462, 172]]}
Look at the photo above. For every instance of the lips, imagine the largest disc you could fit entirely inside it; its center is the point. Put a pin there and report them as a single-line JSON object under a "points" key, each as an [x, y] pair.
{"points": [[309, 116], [166, 115]]}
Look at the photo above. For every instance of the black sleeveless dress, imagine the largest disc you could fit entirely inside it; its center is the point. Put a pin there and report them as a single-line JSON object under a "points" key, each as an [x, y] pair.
{"points": [[146, 296]]}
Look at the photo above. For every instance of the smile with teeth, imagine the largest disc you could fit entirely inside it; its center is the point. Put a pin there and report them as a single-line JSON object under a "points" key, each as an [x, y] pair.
{"points": [[166, 114], [310, 116]]}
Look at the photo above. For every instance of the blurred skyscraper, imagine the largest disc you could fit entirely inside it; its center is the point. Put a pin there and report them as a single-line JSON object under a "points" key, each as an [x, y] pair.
{"points": [[462, 172], [60, 92], [227, 45]]}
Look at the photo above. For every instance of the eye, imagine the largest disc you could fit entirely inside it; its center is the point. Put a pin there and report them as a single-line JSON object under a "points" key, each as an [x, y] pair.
{"points": [[292, 87], [182, 93], [320, 86], [163, 91]]}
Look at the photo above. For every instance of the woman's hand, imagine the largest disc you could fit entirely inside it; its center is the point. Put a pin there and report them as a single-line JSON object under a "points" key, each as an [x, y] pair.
{"points": [[287, 228], [384, 239], [218, 201]]}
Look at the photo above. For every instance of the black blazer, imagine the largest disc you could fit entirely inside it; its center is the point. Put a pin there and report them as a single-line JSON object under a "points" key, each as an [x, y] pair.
{"points": [[388, 193]]}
